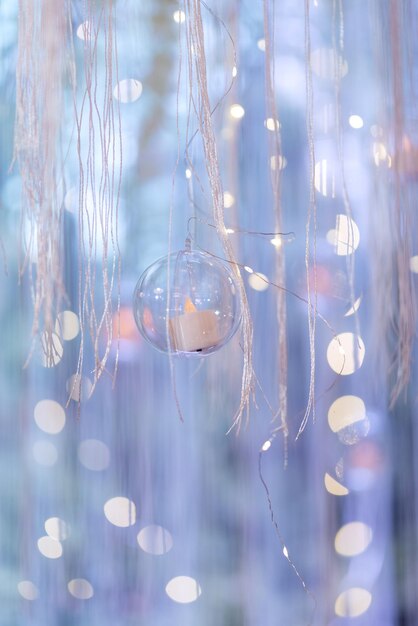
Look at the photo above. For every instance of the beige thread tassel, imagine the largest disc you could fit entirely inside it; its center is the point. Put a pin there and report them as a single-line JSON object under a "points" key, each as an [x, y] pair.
{"points": [[197, 61]]}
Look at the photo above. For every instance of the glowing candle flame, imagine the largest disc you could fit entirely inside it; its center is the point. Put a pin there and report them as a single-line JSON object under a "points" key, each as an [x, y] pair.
{"points": [[189, 307]]}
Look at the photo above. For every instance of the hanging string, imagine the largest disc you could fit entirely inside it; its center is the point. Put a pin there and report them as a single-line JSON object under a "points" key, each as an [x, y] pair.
{"points": [[310, 224], [275, 154], [405, 326], [280, 537], [170, 231], [338, 48], [198, 70]]}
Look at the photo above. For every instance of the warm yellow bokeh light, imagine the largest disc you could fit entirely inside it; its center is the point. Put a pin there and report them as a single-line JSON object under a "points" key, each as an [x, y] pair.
{"points": [[356, 121], [353, 539], [271, 124], [258, 281], [353, 602], [344, 411], [229, 200], [67, 325], [237, 111], [120, 511], [49, 416], [345, 353], [347, 235], [334, 487], [179, 17], [183, 589]]}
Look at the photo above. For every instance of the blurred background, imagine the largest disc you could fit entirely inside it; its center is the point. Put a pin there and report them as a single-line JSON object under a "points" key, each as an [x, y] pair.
{"points": [[114, 511]]}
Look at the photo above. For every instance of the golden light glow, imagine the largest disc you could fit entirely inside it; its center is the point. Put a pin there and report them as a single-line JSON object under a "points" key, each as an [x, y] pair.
{"points": [[381, 155], [189, 307], [334, 487], [353, 602], [229, 200], [356, 121], [237, 111], [276, 242], [353, 539], [258, 281], [271, 124], [179, 17]]}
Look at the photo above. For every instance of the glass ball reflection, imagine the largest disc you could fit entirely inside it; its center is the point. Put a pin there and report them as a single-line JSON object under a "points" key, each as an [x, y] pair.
{"points": [[187, 303]]}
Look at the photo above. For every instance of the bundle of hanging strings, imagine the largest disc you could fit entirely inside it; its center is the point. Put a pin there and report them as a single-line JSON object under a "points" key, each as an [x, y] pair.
{"points": [[99, 148], [43, 63], [198, 77], [395, 156], [45, 77]]}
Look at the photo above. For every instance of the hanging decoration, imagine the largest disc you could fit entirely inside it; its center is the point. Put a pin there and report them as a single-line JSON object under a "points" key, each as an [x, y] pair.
{"points": [[200, 308]]}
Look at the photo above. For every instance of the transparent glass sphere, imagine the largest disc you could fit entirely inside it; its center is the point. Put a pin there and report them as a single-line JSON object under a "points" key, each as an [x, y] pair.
{"points": [[203, 311]]}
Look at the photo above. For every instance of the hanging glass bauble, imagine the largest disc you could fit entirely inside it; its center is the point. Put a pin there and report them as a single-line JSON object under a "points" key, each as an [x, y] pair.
{"points": [[187, 303]]}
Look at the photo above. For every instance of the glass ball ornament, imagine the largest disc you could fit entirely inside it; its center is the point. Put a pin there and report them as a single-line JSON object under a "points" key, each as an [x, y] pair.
{"points": [[187, 303]]}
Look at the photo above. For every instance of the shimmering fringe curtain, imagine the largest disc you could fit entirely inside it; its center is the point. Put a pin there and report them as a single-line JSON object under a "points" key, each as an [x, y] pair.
{"points": [[396, 171], [274, 165], [197, 65], [99, 147], [42, 65], [311, 224], [45, 67]]}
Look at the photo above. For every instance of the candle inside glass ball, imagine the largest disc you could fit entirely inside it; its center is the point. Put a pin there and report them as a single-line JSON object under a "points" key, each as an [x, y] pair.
{"points": [[187, 303]]}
